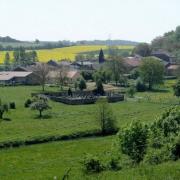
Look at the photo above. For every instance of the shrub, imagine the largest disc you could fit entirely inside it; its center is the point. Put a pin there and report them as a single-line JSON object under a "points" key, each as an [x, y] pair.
{"points": [[70, 92], [131, 91], [176, 88], [105, 117], [140, 86], [27, 103], [99, 87], [12, 105], [87, 75], [133, 141], [114, 164], [169, 122], [92, 164], [82, 84], [155, 156], [175, 149], [3, 108], [156, 137]]}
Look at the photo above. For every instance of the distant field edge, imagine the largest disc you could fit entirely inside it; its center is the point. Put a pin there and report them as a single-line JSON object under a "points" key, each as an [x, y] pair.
{"points": [[52, 138]]}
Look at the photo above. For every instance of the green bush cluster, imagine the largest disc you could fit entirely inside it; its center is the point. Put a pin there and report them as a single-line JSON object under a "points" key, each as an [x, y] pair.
{"points": [[153, 144]]}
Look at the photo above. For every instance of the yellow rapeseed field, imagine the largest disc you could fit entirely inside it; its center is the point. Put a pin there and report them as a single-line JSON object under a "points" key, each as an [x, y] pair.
{"points": [[63, 53]]}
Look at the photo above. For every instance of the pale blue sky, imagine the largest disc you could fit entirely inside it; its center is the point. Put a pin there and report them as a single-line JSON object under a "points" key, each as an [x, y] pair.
{"points": [[138, 20]]}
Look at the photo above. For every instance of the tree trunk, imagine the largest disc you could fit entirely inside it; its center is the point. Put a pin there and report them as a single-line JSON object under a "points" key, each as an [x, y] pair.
{"points": [[40, 114], [43, 87], [1, 115]]}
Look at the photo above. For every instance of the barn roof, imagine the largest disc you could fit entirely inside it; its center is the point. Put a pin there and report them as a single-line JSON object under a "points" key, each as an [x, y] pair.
{"points": [[8, 75]]}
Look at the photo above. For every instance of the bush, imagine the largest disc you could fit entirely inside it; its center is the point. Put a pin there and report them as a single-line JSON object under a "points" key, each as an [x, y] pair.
{"points": [[27, 103], [82, 84], [133, 141], [87, 75], [99, 88], [140, 86], [12, 105], [92, 164], [169, 122], [176, 88], [156, 137], [114, 164], [131, 91], [175, 149], [105, 117]]}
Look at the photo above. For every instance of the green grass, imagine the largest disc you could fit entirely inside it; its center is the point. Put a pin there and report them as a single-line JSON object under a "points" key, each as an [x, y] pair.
{"points": [[54, 159], [66, 119], [44, 161]]}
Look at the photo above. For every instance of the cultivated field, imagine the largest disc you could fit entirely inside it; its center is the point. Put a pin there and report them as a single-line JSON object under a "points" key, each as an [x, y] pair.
{"points": [[52, 160], [64, 53]]}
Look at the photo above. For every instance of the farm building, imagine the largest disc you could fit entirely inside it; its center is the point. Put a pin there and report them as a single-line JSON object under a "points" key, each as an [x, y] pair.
{"points": [[172, 69], [18, 77], [163, 55], [132, 62], [73, 75]]}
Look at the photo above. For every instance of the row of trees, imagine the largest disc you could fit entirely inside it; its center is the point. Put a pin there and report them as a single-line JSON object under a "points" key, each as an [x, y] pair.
{"points": [[20, 57]]}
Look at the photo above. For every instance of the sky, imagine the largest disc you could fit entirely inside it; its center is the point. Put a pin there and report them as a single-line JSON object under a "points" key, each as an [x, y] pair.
{"points": [[136, 20]]}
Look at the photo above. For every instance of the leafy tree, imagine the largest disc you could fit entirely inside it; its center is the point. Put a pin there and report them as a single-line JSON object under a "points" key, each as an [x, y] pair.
{"points": [[3, 108], [23, 58], [101, 57], [176, 88], [40, 103], [105, 117], [142, 49], [7, 62], [82, 84], [117, 67], [151, 71], [133, 141]]}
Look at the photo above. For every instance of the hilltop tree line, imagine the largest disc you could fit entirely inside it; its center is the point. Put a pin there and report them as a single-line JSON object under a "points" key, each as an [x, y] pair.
{"points": [[169, 42]]}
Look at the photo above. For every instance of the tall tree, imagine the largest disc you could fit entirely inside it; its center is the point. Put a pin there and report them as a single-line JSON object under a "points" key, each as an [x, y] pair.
{"points": [[116, 67], [61, 76], [142, 49], [7, 62], [101, 57], [152, 71]]}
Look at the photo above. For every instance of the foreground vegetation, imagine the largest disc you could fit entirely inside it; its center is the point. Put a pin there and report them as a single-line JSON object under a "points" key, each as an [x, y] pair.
{"points": [[55, 159]]}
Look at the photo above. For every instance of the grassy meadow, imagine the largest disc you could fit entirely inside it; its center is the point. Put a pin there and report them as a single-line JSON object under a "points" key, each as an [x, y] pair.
{"points": [[52, 160], [64, 53], [66, 119]]}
